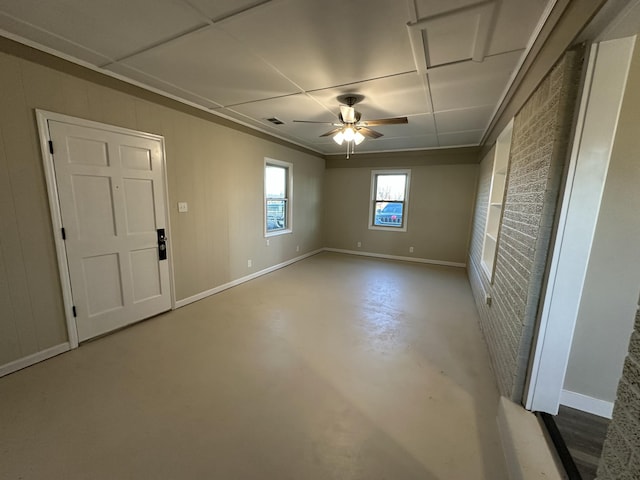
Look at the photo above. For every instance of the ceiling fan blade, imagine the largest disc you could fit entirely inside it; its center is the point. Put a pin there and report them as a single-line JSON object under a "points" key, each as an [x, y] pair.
{"points": [[384, 121], [310, 121], [367, 132], [331, 132], [348, 114]]}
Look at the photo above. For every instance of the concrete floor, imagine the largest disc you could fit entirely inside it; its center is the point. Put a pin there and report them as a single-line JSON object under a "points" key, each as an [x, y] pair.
{"points": [[337, 367]]}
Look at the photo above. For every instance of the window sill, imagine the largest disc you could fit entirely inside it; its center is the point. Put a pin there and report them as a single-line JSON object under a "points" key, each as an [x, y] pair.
{"points": [[278, 232], [387, 229]]}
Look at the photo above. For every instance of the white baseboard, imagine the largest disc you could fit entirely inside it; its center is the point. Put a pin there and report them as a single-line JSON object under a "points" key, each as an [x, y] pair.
{"points": [[32, 359], [397, 257], [220, 288], [584, 403]]}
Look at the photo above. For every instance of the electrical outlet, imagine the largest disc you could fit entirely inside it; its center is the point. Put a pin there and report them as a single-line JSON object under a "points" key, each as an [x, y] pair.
{"points": [[267, 242], [183, 207], [249, 263], [359, 244], [410, 249], [297, 248]]}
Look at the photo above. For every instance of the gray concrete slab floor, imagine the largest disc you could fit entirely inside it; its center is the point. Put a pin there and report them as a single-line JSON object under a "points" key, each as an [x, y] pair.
{"points": [[336, 367]]}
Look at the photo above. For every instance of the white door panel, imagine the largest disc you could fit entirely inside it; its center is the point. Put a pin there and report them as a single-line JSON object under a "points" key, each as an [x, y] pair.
{"points": [[111, 194]]}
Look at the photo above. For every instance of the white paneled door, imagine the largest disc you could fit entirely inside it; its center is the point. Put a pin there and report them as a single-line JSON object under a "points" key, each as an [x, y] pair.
{"points": [[110, 187]]}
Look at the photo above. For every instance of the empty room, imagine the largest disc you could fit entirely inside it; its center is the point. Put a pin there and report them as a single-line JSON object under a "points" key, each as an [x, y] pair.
{"points": [[348, 239]]}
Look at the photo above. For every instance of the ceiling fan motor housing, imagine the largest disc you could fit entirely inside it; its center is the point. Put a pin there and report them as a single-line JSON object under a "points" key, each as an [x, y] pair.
{"points": [[350, 99]]}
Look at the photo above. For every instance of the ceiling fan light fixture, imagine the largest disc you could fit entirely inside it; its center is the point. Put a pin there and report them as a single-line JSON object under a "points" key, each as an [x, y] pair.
{"points": [[339, 137], [349, 134], [358, 138]]}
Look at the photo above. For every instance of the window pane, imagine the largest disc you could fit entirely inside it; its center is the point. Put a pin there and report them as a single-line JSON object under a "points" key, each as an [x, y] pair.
{"points": [[276, 215], [388, 214], [390, 187], [275, 182]]}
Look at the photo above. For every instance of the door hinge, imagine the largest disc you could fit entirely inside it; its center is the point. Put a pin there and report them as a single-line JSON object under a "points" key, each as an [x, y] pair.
{"points": [[74, 311], [50, 147], [64, 234]]}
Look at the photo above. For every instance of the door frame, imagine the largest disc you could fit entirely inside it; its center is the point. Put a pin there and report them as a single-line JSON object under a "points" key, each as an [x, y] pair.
{"points": [[607, 70], [43, 117]]}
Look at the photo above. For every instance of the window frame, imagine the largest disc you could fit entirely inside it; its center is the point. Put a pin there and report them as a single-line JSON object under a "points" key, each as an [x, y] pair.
{"points": [[495, 202], [372, 199], [272, 162]]}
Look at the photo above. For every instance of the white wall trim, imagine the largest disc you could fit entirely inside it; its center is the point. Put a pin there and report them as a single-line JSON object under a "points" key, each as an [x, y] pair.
{"points": [[34, 358], [238, 281], [397, 257], [584, 403], [42, 118]]}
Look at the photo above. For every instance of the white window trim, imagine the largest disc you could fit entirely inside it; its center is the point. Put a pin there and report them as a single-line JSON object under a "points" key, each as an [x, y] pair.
{"points": [[289, 166], [495, 204], [372, 198]]}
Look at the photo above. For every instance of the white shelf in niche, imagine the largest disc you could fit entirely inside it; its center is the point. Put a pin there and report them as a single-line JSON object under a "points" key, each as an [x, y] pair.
{"points": [[496, 199]]}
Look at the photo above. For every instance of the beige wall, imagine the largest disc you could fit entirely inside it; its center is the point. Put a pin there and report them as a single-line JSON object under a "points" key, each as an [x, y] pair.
{"points": [[612, 283], [216, 169], [439, 215]]}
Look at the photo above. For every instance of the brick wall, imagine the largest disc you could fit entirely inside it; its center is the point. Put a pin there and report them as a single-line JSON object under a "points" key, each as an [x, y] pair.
{"points": [[621, 453], [541, 134]]}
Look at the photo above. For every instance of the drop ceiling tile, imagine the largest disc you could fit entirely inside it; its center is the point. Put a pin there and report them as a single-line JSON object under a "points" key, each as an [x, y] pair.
{"points": [[399, 143], [459, 139], [287, 109], [417, 125], [464, 119], [459, 33], [471, 84], [399, 95], [329, 43], [292, 107], [158, 84], [114, 28], [267, 127], [42, 37], [209, 64], [451, 38], [430, 8], [221, 9], [515, 22]]}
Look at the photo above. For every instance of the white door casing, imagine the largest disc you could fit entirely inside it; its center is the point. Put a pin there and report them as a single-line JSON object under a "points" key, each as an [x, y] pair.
{"points": [[607, 71], [110, 199]]}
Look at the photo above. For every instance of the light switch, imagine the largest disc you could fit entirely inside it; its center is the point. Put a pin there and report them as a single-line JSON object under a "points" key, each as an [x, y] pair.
{"points": [[183, 207]]}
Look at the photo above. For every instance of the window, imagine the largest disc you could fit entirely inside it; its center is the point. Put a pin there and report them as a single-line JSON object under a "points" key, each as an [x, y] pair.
{"points": [[277, 197], [496, 197], [389, 199]]}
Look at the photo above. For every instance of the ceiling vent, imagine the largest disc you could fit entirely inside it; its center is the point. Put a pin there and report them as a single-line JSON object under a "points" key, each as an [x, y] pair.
{"points": [[275, 121]]}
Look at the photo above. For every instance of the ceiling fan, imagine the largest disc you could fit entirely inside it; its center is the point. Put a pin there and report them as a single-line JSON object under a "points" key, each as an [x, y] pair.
{"points": [[351, 128]]}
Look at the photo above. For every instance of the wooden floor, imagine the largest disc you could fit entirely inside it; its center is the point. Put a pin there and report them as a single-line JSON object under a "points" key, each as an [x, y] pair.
{"points": [[584, 436]]}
